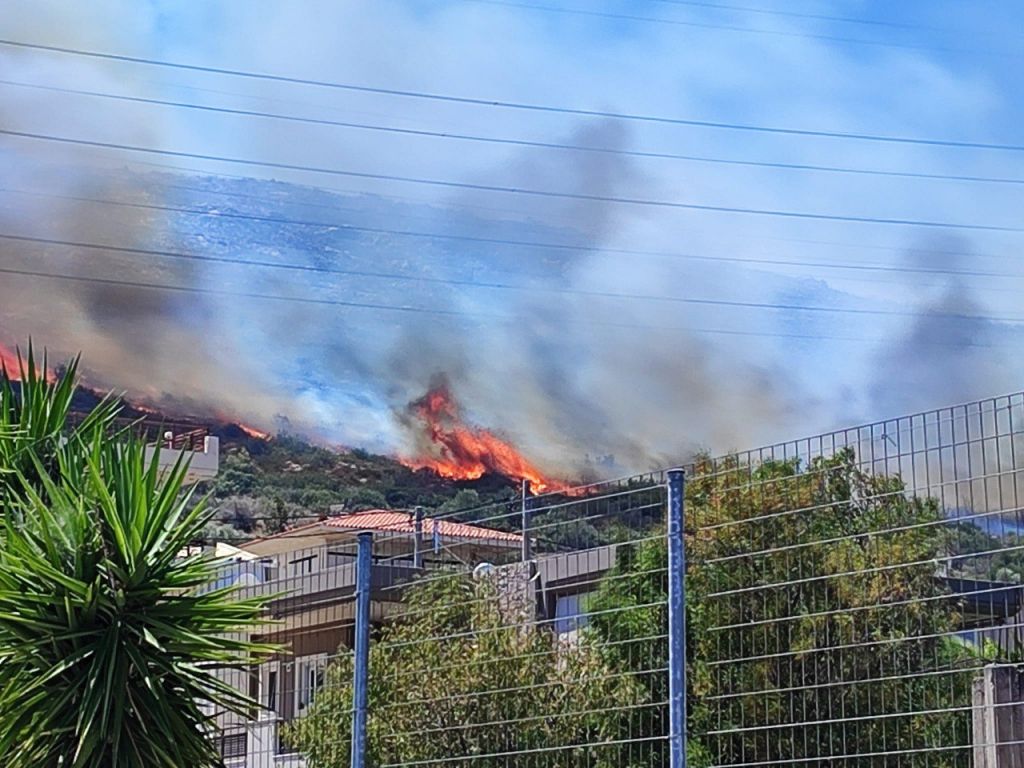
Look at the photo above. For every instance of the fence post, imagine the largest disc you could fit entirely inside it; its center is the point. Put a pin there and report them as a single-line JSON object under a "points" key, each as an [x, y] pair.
{"points": [[676, 620], [527, 554], [361, 670], [998, 714], [417, 553]]}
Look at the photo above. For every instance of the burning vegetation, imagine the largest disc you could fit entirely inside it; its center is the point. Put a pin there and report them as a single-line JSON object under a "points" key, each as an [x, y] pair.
{"points": [[86, 398], [460, 451], [11, 364]]}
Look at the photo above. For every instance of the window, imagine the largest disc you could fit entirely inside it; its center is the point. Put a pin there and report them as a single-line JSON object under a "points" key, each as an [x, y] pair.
{"points": [[270, 686], [233, 745], [309, 678], [270, 698], [302, 566], [571, 613]]}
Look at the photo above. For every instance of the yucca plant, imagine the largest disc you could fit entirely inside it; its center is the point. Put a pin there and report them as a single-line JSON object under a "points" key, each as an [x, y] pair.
{"points": [[34, 411], [111, 635]]}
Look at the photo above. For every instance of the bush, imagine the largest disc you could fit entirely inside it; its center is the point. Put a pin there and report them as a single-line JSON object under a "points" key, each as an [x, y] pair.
{"points": [[110, 636]]}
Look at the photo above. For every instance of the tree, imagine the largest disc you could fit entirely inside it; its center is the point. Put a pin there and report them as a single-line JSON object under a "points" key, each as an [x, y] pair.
{"points": [[34, 417], [110, 634], [280, 518], [459, 675], [801, 584], [238, 475], [464, 499]]}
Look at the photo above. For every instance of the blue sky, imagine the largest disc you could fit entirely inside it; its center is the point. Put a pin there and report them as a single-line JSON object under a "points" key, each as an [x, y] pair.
{"points": [[568, 373]]}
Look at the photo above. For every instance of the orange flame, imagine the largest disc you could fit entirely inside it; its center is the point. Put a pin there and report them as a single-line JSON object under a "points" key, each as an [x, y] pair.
{"points": [[463, 452], [253, 432], [226, 418], [9, 361]]}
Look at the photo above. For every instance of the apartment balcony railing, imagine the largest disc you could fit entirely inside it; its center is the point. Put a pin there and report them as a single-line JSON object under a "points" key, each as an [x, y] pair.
{"points": [[201, 449]]}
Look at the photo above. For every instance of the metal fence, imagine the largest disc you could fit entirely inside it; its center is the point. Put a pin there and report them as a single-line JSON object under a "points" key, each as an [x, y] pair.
{"points": [[852, 599], [167, 434], [852, 587]]}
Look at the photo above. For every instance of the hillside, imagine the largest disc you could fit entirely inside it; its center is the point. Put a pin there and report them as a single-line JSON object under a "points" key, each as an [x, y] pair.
{"points": [[266, 485]]}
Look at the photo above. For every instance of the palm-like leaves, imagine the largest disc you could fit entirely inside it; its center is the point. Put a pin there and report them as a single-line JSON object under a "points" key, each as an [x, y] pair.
{"points": [[34, 419], [110, 635]]}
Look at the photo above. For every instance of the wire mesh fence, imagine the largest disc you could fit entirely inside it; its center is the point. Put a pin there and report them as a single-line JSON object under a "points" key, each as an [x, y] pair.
{"points": [[526, 655], [852, 599], [852, 588], [529, 634]]}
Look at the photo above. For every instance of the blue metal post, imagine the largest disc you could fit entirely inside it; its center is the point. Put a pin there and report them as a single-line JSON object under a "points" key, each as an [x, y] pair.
{"points": [[527, 550], [676, 620], [417, 553], [361, 671]]}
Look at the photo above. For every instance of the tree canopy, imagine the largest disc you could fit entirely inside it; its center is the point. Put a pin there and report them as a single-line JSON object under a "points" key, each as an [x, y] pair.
{"points": [[110, 635], [817, 625], [460, 677]]}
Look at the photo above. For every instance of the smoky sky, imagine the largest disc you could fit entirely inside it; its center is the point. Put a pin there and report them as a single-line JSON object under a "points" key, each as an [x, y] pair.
{"points": [[657, 332]]}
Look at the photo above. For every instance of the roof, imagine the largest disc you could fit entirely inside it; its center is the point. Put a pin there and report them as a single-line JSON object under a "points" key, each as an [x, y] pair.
{"points": [[404, 522], [392, 521]]}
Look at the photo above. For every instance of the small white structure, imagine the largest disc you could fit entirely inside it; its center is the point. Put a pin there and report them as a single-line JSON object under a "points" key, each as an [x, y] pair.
{"points": [[203, 456]]}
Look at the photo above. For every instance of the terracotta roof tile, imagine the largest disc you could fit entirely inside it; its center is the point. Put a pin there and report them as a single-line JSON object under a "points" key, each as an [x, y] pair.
{"points": [[404, 522]]}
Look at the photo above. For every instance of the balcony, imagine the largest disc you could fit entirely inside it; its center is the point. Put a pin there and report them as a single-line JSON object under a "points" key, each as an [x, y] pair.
{"points": [[174, 440]]}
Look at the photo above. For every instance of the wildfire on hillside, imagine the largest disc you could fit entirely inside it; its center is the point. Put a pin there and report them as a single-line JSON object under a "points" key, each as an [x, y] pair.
{"points": [[9, 362], [249, 431], [254, 433], [460, 451]]}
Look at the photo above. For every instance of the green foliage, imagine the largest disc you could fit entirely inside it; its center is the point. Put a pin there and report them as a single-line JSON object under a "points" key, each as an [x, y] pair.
{"points": [[829, 598], [629, 614], [237, 475], [461, 675], [110, 636], [980, 555], [465, 498], [34, 418], [360, 499], [281, 517]]}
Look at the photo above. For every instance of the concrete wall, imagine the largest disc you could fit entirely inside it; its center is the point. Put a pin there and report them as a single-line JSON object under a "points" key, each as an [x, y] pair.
{"points": [[999, 718], [203, 465]]}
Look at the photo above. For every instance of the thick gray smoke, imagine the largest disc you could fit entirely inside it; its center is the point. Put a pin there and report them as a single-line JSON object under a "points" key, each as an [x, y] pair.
{"points": [[945, 355], [574, 376], [529, 338], [570, 377], [150, 342]]}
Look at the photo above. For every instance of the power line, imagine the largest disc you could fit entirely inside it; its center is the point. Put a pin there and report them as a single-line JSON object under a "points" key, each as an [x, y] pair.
{"points": [[721, 26], [314, 269], [306, 300], [446, 184], [796, 14], [513, 141], [464, 206], [513, 104], [505, 241]]}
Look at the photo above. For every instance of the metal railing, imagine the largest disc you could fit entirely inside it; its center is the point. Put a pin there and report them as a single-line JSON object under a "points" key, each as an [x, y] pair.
{"points": [[168, 435], [852, 588], [851, 599]]}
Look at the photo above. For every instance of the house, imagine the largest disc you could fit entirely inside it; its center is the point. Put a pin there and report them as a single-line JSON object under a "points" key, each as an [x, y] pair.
{"points": [[199, 448], [311, 571], [990, 611], [169, 442]]}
